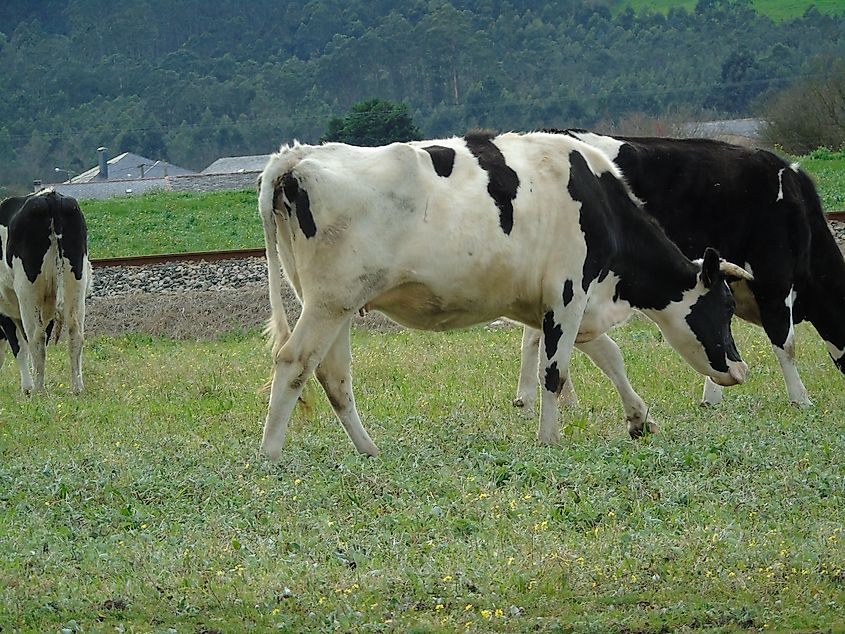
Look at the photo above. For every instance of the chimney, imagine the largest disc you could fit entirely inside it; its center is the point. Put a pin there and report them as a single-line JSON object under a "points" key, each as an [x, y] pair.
{"points": [[36, 185], [103, 153]]}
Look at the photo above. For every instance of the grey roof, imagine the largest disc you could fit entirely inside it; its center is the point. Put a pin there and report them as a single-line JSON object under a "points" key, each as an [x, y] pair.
{"points": [[127, 166], [237, 164]]}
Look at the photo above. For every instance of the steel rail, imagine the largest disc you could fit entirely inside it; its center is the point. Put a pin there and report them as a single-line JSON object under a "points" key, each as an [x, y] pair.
{"points": [[164, 258], [240, 254]]}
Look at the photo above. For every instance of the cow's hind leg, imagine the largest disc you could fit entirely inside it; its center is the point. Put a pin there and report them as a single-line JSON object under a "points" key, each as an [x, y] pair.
{"points": [[74, 317], [295, 362], [13, 331], [777, 322], [607, 357], [335, 376], [560, 328]]}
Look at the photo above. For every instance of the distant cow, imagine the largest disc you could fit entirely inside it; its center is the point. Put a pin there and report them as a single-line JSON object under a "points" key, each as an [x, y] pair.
{"points": [[757, 210], [44, 276], [445, 234]]}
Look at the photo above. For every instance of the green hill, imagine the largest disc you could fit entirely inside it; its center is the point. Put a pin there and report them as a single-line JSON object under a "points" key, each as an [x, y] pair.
{"points": [[191, 81], [775, 9]]}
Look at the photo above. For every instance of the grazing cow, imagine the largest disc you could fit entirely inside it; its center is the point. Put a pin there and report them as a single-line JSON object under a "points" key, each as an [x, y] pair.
{"points": [[757, 210], [445, 234], [44, 276]]}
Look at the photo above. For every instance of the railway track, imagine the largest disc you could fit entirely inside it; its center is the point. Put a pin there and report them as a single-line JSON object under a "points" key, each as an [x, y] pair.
{"points": [[164, 258], [240, 254]]}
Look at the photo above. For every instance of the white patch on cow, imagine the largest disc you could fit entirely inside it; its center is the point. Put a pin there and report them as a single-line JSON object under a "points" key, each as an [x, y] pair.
{"points": [[608, 145], [780, 184], [712, 394], [795, 167]]}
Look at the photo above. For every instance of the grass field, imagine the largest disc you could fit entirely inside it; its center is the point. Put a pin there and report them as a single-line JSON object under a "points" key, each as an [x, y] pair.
{"points": [[775, 9], [175, 223], [141, 505], [167, 222], [828, 170]]}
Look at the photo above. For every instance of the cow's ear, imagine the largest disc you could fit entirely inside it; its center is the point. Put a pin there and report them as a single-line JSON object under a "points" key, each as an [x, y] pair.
{"points": [[710, 267]]}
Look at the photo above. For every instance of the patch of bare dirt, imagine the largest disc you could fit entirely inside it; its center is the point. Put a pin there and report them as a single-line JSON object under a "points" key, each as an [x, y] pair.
{"points": [[197, 315]]}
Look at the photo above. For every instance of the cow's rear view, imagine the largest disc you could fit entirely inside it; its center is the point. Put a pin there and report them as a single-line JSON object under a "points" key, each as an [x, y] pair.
{"points": [[44, 276]]}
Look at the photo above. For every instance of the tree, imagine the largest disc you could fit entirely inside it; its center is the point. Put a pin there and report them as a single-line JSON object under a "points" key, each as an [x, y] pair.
{"points": [[371, 123], [810, 114]]}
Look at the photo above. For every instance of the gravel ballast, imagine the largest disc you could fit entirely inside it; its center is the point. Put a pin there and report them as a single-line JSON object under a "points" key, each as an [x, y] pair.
{"points": [[196, 300]]}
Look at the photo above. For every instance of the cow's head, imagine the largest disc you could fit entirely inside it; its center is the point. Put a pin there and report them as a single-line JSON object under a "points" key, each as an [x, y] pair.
{"points": [[699, 326]]}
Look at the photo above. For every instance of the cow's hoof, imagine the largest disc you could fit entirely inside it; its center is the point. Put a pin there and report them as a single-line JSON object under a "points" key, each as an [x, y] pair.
{"points": [[525, 407], [371, 451], [271, 455], [549, 439], [636, 429]]}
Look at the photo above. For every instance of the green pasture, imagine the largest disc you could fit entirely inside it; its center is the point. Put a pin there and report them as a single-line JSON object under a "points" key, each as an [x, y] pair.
{"points": [[141, 506], [777, 10], [168, 222], [828, 171]]}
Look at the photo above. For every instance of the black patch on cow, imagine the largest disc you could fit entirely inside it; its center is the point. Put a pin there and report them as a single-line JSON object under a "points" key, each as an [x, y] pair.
{"points": [[297, 195], [567, 292], [624, 239], [596, 223], [552, 333], [31, 220], [502, 181], [443, 159], [73, 244], [552, 380], [9, 331]]}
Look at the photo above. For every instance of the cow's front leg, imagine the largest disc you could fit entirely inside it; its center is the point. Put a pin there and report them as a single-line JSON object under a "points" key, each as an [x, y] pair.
{"points": [[560, 328], [526, 390], [607, 357], [293, 366], [335, 375], [712, 393]]}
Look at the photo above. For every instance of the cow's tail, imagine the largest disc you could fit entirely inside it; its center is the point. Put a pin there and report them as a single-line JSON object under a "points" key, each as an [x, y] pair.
{"points": [[824, 284], [278, 329], [57, 229]]}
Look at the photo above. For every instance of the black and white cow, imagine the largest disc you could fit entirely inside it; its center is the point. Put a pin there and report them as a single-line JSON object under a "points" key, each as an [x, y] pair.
{"points": [[445, 234], [44, 277], [757, 210]]}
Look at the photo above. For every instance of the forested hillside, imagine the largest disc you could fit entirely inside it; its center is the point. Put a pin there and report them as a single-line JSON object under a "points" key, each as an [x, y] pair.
{"points": [[190, 81]]}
